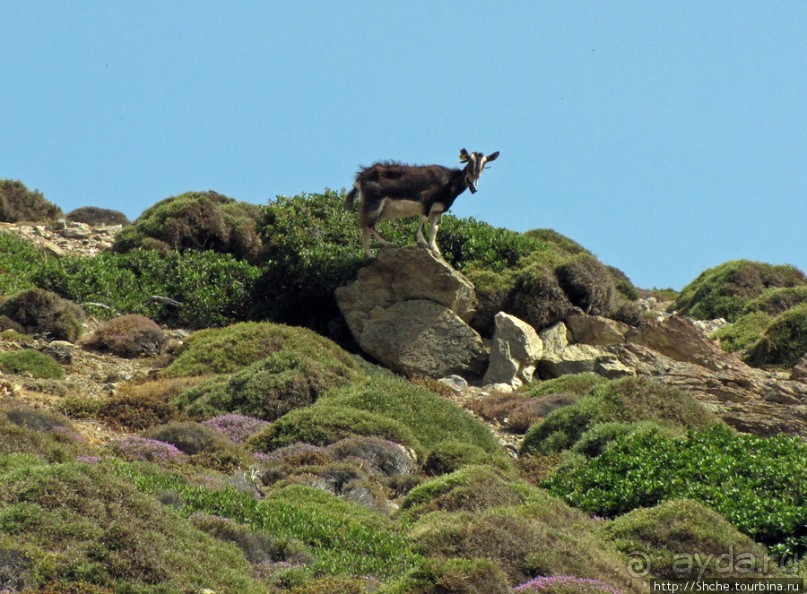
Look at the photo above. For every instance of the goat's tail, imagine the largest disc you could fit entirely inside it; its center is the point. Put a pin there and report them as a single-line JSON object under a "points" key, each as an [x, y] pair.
{"points": [[350, 199]]}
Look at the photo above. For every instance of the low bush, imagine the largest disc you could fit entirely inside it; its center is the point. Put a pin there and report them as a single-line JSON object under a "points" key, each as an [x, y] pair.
{"points": [[744, 332], [213, 289], [135, 448], [451, 455], [566, 584], [431, 418], [323, 425], [521, 541], [268, 389], [625, 401], [227, 350], [588, 284], [756, 483], [137, 411], [20, 262], [31, 362], [76, 523], [675, 533], [458, 576], [538, 298], [725, 290], [129, 335], [44, 313], [578, 384], [196, 221], [34, 433], [237, 428], [517, 412], [95, 216], [784, 341], [18, 203], [375, 455], [471, 489], [777, 300], [190, 438]]}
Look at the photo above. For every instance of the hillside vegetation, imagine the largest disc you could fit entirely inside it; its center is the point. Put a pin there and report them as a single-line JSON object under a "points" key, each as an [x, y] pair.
{"points": [[186, 412]]}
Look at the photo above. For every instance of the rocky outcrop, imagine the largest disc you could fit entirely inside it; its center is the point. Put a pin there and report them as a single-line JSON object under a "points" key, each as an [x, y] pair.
{"points": [[514, 352], [679, 339], [77, 239], [749, 399], [408, 309], [562, 357]]}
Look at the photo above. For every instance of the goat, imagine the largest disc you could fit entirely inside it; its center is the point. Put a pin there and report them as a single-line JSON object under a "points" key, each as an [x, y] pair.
{"points": [[391, 191]]}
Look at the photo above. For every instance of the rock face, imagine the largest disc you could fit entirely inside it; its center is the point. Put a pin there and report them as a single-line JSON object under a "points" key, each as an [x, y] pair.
{"points": [[514, 353], [408, 309]]}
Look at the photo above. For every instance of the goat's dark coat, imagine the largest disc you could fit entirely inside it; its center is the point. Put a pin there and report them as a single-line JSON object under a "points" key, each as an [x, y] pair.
{"points": [[391, 190]]}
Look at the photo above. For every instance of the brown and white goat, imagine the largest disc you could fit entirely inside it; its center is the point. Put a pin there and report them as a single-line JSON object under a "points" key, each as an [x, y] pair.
{"points": [[391, 191]]}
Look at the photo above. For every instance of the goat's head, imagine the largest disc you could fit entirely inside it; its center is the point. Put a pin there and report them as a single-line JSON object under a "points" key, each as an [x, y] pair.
{"points": [[476, 163]]}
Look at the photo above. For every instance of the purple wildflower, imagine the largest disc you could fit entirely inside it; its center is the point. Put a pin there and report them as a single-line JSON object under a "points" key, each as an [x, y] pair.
{"points": [[236, 427], [566, 584], [135, 448], [88, 459]]}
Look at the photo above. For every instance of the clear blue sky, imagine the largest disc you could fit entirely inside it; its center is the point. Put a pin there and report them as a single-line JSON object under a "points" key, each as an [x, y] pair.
{"points": [[666, 137]]}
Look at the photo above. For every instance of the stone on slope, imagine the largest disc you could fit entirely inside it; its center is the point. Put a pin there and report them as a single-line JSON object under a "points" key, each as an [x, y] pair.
{"points": [[514, 352], [408, 309]]}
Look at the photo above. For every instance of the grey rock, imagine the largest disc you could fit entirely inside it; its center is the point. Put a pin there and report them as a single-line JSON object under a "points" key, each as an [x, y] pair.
{"points": [[515, 350]]}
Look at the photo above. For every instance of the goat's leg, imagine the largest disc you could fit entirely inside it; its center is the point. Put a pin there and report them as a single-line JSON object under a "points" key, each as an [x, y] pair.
{"points": [[366, 235], [419, 238], [435, 219]]}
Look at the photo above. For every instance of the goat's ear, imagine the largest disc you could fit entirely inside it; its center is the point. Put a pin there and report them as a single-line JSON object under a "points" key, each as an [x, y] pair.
{"points": [[463, 156], [492, 157]]}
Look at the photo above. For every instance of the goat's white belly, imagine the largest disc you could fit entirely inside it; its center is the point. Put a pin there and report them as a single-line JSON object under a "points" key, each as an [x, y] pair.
{"points": [[396, 209]]}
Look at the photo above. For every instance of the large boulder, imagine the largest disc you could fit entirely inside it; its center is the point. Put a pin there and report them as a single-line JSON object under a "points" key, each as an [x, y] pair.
{"points": [[515, 350], [408, 309], [679, 339]]}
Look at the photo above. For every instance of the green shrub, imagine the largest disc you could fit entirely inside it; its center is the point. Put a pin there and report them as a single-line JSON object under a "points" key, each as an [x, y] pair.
{"points": [[129, 335], [588, 284], [451, 455], [138, 411], [32, 433], [31, 362], [431, 418], [18, 203], [538, 298], [267, 389], [457, 576], [744, 332], [323, 425], [541, 538], [196, 221], [673, 533], [95, 216], [230, 349], [578, 384], [784, 341], [344, 538], [560, 241], [725, 290], [76, 523], [20, 262], [471, 489], [757, 483], [777, 300], [45, 313], [190, 438], [626, 400], [213, 289]]}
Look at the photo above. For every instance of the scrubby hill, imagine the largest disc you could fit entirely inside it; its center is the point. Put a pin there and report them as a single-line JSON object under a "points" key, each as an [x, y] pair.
{"points": [[258, 454]]}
